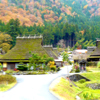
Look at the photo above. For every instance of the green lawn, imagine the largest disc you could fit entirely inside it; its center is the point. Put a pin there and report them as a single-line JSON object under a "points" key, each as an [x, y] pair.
{"points": [[5, 87], [7, 82], [91, 93], [67, 92], [93, 76], [93, 69]]}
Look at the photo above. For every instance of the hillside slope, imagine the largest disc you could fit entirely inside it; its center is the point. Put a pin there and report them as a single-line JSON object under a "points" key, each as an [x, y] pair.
{"points": [[52, 11]]}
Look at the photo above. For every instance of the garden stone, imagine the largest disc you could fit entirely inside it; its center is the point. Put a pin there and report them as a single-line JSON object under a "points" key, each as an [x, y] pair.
{"points": [[77, 77], [94, 85]]}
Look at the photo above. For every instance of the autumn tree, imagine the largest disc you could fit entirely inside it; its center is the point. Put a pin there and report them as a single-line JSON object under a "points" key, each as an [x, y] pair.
{"points": [[5, 40]]}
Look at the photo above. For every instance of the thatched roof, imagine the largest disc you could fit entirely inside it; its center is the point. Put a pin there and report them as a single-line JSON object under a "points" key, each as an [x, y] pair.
{"points": [[24, 45], [80, 54], [96, 52], [50, 52], [56, 51]]}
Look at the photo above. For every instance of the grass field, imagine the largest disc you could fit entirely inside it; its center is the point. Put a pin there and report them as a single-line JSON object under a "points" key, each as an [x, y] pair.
{"points": [[93, 69], [5, 87], [64, 90], [68, 91]]}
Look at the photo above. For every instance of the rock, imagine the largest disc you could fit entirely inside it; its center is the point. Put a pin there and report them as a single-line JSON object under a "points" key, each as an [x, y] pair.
{"points": [[94, 85]]}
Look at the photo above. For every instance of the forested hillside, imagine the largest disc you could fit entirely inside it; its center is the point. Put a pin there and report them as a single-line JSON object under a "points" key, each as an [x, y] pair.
{"points": [[69, 21], [52, 11]]}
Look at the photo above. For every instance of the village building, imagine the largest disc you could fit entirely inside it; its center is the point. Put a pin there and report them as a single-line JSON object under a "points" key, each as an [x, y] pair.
{"points": [[53, 52], [80, 57], [20, 53], [91, 54], [95, 54], [79, 54]]}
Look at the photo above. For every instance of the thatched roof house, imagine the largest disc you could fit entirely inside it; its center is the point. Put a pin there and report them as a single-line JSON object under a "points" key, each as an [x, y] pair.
{"points": [[20, 53], [79, 55], [95, 55], [92, 54]]}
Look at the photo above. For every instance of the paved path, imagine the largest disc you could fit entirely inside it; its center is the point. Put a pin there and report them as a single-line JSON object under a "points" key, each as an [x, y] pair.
{"points": [[33, 87]]}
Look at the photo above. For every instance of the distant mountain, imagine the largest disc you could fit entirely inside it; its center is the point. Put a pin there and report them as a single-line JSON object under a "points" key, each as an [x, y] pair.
{"points": [[52, 11]]}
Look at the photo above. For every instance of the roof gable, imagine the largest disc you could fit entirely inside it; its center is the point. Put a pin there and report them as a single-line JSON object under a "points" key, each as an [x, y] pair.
{"points": [[24, 46]]}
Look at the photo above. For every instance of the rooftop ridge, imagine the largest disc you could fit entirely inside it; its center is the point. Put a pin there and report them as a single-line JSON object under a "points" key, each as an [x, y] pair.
{"points": [[98, 39], [54, 48], [91, 47], [29, 37], [47, 46]]}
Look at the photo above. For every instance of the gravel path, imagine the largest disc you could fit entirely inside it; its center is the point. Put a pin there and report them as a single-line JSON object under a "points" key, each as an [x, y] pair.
{"points": [[33, 87]]}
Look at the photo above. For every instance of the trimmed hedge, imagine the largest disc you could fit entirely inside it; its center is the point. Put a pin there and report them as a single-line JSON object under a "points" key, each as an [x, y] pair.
{"points": [[82, 81], [91, 64], [8, 78]]}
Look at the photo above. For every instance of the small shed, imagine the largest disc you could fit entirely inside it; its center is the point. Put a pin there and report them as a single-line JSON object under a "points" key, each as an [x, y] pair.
{"points": [[82, 65]]}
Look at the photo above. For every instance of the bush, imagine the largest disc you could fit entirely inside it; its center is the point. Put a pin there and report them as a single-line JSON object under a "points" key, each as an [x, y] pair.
{"points": [[49, 59], [38, 73], [10, 72], [82, 81], [7, 78], [58, 69], [98, 64], [89, 96], [91, 64], [22, 67], [46, 68], [77, 70], [53, 68]]}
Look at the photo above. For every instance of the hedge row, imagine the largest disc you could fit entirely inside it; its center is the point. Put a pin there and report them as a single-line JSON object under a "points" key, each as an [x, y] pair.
{"points": [[91, 64], [7, 78]]}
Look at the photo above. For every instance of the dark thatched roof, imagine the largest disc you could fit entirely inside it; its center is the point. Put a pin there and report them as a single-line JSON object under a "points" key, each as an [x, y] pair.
{"points": [[96, 52]]}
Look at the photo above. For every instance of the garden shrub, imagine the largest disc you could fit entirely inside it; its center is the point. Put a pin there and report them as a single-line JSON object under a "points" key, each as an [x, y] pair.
{"points": [[7, 78], [87, 95], [38, 73], [22, 67], [41, 72], [91, 64], [1, 67], [49, 59], [98, 64], [77, 70], [53, 68], [58, 69], [9, 72], [46, 68], [82, 81]]}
